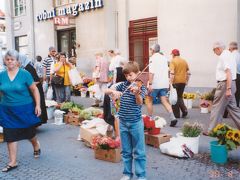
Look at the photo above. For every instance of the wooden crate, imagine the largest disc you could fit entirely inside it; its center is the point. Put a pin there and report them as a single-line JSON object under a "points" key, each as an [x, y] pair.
{"points": [[111, 155], [156, 140], [1, 137]]}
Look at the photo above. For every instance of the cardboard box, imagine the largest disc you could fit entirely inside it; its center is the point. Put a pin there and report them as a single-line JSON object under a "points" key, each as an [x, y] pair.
{"points": [[1, 137], [88, 134], [156, 140], [72, 119], [111, 155]]}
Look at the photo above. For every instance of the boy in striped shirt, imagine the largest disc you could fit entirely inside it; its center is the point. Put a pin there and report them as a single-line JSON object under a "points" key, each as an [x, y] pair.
{"points": [[131, 124]]}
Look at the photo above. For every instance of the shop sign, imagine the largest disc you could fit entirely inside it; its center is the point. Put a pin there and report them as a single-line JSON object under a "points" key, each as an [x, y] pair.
{"points": [[73, 10], [61, 20]]}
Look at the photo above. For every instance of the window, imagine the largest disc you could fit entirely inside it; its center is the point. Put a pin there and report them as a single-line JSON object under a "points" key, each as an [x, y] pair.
{"points": [[19, 7], [21, 44], [63, 2]]}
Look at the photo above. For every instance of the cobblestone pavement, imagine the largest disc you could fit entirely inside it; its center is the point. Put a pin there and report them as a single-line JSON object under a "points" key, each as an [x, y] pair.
{"points": [[65, 158]]}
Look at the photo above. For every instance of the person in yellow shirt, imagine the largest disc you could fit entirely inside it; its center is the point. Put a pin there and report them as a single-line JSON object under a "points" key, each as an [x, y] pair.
{"points": [[179, 76], [61, 68]]}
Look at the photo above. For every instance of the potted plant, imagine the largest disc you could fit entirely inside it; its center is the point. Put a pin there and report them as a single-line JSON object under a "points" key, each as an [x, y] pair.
{"points": [[204, 107], [190, 135], [188, 99], [227, 140], [106, 148], [208, 98]]}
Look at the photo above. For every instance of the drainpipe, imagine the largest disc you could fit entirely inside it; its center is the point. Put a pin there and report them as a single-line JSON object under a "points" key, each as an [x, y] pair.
{"points": [[32, 30]]}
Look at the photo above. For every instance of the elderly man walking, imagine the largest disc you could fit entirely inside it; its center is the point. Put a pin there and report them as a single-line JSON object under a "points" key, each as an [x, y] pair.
{"points": [[226, 88], [159, 82], [233, 48]]}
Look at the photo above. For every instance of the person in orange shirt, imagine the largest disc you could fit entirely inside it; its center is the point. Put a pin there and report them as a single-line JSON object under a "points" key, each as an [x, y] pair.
{"points": [[179, 76], [61, 68]]}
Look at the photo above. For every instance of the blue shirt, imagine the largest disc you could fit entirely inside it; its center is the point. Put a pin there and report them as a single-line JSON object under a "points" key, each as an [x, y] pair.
{"points": [[129, 110], [16, 92]]}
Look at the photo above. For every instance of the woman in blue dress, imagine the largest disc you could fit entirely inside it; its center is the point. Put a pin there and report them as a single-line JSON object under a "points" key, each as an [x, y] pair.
{"points": [[19, 110]]}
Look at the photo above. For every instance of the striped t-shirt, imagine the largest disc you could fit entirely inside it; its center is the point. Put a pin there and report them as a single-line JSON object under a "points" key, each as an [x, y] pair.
{"points": [[47, 62], [129, 110]]}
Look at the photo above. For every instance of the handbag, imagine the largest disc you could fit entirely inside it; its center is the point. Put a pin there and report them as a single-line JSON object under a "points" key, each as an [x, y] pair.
{"points": [[58, 80]]}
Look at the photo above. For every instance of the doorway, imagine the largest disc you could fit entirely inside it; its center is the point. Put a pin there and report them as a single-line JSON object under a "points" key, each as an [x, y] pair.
{"points": [[67, 42], [142, 35]]}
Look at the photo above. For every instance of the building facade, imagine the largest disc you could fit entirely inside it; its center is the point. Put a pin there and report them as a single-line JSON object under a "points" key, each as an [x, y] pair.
{"points": [[83, 27]]}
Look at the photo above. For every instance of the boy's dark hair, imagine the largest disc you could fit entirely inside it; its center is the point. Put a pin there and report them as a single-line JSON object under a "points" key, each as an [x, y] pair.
{"points": [[131, 66], [39, 58]]}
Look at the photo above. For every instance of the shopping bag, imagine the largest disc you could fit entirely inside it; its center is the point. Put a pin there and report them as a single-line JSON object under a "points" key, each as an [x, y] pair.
{"points": [[49, 93], [45, 87], [75, 77], [173, 95]]}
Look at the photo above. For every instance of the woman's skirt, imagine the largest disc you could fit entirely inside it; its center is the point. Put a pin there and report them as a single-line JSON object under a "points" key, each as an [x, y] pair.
{"points": [[18, 122]]}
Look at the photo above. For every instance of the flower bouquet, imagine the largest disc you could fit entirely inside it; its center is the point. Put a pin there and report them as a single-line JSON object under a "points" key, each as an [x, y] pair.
{"points": [[106, 148], [228, 139]]}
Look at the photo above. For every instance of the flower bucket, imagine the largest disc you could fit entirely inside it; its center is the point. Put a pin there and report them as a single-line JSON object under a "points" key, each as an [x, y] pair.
{"points": [[83, 93], [58, 117], [154, 131], [218, 152], [91, 94], [204, 110], [188, 103], [191, 142]]}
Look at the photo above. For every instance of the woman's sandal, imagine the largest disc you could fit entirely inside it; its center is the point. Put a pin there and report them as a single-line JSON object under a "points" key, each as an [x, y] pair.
{"points": [[9, 168], [37, 153]]}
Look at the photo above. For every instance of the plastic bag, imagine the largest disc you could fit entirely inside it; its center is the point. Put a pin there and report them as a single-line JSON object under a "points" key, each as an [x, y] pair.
{"points": [[49, 93], [97, 91], [45, 87], [173, 95], [75, 77]]}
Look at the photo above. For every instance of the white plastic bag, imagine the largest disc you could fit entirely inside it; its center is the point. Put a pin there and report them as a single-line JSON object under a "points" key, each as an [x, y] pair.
{"points": [[173, 95], [49, 93], [75, 77], [45, 87], [96, 89]]}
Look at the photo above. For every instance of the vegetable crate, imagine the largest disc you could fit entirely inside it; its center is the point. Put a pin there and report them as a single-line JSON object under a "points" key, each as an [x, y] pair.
{"points": [[1, 137], [111, 155], [156, 140]]}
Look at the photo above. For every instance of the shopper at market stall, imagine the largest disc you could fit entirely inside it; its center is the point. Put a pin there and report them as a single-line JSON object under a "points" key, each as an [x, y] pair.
{"points": [[131, 124], [100, 76], [159, 82], [19, 110], [27, 64], [226, 87], [179, 76], [61, 68]]}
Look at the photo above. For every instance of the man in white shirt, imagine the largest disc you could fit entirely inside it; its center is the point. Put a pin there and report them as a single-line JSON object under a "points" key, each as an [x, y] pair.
{"points": [[233, 48], [226, 87], [159, 82]]}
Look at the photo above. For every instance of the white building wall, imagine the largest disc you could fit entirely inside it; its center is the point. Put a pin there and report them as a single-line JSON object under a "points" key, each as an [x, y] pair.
{"points": [[139, 9], [192, 27], [45, 35], [95, 32]]}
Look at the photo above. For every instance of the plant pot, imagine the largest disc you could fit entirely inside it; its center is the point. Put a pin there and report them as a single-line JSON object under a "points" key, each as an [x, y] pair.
{"points": [[204, 110], [154, 131], [191, 142], [218, 152], [188, 103]]}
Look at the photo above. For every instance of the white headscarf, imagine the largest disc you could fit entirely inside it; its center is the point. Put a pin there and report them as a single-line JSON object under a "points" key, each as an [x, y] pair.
{"points": [[23, 60]]}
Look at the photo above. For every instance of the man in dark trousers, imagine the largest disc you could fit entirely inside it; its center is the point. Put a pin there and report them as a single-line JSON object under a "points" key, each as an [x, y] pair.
{"points": [[179, 76]]}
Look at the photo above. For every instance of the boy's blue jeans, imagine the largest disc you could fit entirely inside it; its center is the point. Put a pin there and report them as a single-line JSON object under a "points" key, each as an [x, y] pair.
{"points": [[133, 145]]}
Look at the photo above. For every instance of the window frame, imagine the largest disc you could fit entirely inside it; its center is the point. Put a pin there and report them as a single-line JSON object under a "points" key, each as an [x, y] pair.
{"points": [[18, 8], [19, 46], [59, 3]]}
